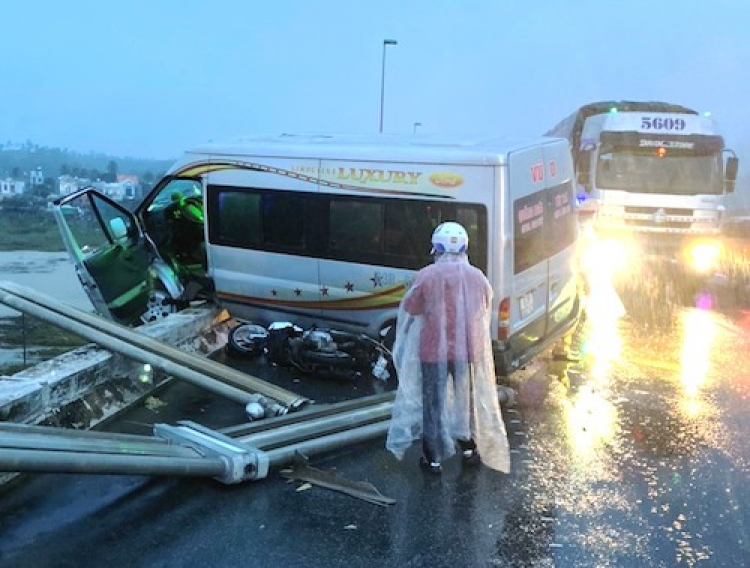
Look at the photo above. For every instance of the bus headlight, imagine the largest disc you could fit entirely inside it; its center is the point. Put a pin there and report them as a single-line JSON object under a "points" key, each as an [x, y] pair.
{"points": [[703, 255]]}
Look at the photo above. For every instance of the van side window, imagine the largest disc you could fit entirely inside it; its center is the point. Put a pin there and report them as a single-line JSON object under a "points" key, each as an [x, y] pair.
{"points": [[355, 226], [366, 230], [283, 220], [470, 218], [408, 227], [236, 221]]}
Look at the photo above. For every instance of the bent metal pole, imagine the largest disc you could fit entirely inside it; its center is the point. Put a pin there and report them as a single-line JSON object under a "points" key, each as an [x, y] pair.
{"points": [[199, 370], [38, 461]]}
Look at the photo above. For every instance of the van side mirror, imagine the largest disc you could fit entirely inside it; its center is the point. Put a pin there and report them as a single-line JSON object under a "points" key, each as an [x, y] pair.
{"points": [[119, 229], [733, 164]]}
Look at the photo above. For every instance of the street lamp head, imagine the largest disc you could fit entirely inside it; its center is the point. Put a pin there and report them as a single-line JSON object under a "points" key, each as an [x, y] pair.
{"points": [[386, 43]]}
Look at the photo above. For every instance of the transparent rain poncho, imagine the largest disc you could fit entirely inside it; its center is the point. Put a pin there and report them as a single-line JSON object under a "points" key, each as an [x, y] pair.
{"points": [[443, 344]]}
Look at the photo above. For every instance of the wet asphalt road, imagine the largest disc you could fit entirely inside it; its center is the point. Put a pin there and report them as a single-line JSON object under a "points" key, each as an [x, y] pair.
{"points": [[635, 455]]}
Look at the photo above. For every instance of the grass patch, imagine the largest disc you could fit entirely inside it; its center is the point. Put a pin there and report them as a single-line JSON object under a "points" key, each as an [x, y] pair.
{"points": [[30, 231], [27, 330]]}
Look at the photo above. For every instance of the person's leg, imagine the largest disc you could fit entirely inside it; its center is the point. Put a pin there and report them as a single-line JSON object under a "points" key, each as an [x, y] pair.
{"points": [[463, 385], [433, 400]]}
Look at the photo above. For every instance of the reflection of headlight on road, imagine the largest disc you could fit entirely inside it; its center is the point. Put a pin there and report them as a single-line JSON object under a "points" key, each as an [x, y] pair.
{"points": [[590, 420], [703, 255]]}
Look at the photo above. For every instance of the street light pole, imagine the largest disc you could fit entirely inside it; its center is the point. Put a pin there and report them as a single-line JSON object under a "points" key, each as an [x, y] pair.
{"points": [[386, 42]]}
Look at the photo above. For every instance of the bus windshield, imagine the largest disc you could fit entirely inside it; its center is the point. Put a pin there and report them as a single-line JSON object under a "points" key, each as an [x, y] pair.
{"points": [[640, 170]]}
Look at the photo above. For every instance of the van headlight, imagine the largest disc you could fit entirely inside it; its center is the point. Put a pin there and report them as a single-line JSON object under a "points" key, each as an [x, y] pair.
{"points": [[703, 255]]}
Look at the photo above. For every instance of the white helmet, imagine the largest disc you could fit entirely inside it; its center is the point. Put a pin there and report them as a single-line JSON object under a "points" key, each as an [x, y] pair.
{"points": [[450, 237]]}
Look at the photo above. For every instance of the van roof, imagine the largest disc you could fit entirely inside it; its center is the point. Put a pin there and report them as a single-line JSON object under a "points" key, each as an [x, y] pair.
{"points": [[383, 147]]}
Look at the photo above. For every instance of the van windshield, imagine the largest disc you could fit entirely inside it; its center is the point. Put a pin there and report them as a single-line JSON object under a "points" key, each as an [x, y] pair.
{"points": [[173, 191]]}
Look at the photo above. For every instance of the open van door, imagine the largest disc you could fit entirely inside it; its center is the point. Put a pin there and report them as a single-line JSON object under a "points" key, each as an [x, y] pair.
{"points": [[116, 264]]}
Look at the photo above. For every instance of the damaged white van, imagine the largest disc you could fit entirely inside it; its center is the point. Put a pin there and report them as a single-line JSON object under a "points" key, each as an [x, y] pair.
{"points": [[330, 230]]}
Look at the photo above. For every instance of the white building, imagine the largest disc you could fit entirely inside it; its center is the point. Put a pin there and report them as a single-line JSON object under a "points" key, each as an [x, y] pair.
{"points": [[68, 184], [10, 186], [36, 177], [124, 188]]}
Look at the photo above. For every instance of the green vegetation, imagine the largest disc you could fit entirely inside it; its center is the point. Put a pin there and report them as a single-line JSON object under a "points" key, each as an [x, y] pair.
{"points": [[29, 230], [36, 230], [17, 160], [17, 330], [26, 222], [43, 341]]}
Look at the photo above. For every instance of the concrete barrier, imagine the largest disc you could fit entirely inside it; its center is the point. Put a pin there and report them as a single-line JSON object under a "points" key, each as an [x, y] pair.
{"points": [[99, 382], [84, 387]]}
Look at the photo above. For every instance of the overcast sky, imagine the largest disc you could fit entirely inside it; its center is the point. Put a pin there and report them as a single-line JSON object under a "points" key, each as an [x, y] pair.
{"points": [[150, 78]]}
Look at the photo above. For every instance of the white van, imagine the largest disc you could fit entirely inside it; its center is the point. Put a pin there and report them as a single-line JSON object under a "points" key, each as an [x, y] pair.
{"points": [[330, 230]]}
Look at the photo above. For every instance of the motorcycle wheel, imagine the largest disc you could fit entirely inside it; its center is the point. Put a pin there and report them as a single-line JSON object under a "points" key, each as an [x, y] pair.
{"points": [[245, 340], [334, 359]]}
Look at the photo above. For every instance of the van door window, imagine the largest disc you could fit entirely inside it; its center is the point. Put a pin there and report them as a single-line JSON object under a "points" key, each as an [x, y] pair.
{"points": [[560, 218], [528, 231], [87, 228]]}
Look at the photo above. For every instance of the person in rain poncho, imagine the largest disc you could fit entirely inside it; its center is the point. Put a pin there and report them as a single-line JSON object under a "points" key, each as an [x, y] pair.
{"points": [[447, 393]]}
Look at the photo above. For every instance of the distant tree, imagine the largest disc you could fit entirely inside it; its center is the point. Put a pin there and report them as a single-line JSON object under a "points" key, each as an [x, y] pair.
{"points": [[15, 173], [65, 170], [45, 189], [148, 177], [111, 171]]}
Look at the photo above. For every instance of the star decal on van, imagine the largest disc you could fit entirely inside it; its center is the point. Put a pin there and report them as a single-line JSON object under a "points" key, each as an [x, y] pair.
{"points": [[274, 293], [377, 280], [297, 292], [323, 291], [349, 287]]}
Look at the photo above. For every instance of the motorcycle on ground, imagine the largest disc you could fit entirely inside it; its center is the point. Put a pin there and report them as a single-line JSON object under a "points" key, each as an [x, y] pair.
{"points": [[315, 351]]}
